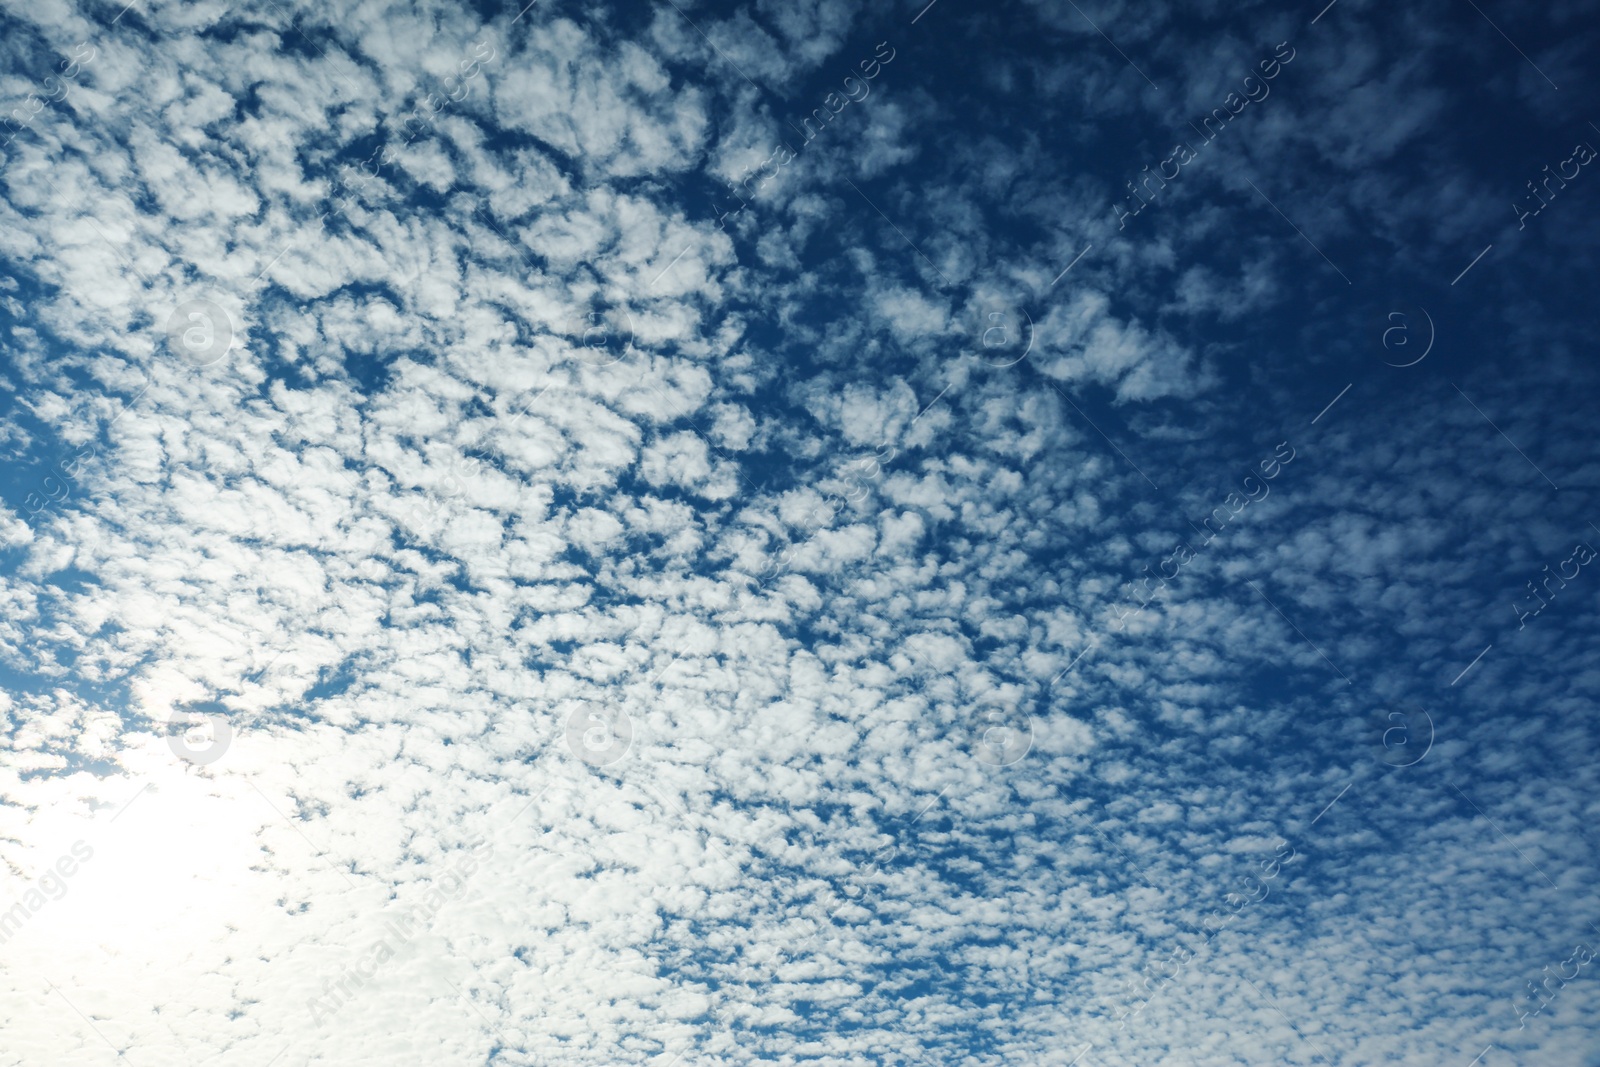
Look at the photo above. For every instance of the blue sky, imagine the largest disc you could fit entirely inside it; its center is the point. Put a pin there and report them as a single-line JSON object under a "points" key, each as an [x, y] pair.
{"points": [[801, 534]]}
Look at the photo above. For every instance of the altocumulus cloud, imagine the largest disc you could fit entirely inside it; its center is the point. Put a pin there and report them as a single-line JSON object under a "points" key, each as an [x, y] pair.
{"points": [[475, 594]]}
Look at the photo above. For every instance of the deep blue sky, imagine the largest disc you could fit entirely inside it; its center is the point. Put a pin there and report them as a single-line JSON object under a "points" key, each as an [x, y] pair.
{"points": [[1201, 676]]}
